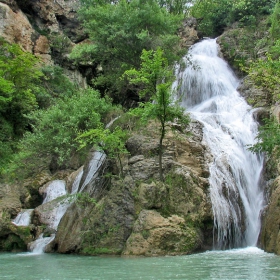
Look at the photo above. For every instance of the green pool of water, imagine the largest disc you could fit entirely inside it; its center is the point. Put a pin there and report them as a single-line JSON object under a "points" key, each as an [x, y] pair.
{"points": [[249, 263]]}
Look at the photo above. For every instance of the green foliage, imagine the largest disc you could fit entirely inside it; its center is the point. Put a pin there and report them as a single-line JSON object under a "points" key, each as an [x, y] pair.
{"points": [[268, 137], [156, 80], [53, 139], [112, 142], [216, 15], [275, 22], [19, 79], [265, 73], [84, 200], [60, 43], [172, 179], [152, 68], [120, 32], [175, 6], [54, 85], [212, 15], [98, 251]]}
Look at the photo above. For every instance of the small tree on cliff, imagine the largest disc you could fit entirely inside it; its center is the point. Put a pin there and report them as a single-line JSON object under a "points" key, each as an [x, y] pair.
{"points": [[112, 142], [155, 80]]}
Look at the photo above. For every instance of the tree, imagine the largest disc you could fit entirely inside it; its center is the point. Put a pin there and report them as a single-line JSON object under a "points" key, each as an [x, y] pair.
{"points": [[19, 79], [216, 15], [19, 74], [156, 80], [275, 22], [52, 142], [119, 32], [175, 6]]}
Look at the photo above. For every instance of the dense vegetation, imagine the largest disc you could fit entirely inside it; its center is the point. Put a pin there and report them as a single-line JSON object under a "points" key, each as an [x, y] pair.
{"points": [[216, 15], [44, 116]]}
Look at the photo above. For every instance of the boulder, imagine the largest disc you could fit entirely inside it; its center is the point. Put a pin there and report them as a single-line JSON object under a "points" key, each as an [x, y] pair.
{"points": [[270, 232], [155, 235], [107, 220]]}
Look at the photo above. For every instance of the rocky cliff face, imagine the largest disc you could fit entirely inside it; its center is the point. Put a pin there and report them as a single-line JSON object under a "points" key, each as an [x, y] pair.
{"points": [[134, 215], [270, 233], [138, 214], [49, 29]]}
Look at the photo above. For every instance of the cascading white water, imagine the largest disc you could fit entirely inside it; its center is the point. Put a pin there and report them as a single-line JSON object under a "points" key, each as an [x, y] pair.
{"points": [[208, 92], [57, 202], [55, 189], [92, 170], [23, 218], [38, 246]]}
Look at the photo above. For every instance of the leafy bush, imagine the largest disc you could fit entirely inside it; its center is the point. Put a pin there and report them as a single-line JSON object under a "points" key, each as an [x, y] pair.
{"points": [[216, 15], [268, 137], [119, 32], [53, 139], [19, 86], [266, 74], [275, 19]]}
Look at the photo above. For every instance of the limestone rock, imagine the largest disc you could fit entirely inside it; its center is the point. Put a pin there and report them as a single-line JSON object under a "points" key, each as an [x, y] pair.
{"points": [[99, 228], [33, 185], [55, 16], [276, 112], [15, 27], [270, 233], [137, 214], [12, 238], [156, 235], [188, 32], [253, 94], [50, 213], [10, 200]]}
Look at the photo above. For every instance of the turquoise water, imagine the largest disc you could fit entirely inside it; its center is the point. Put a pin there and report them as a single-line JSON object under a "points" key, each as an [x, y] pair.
{"points": [[249, 263]]}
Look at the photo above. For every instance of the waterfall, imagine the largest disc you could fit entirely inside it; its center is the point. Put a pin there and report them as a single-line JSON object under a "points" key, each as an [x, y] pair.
{"points": [[55, 189], [56, 201], [208, 92], [23, 218], [38, 246], [91, 172]]}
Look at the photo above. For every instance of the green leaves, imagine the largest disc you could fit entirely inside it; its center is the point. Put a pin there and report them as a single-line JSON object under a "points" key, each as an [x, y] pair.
{"points": [[153, 68], [156, 81], [268, 137], [119, 32], [52, 141], [216, 15], [266, 73], [275, 20], [112, 142], [19, 76]]}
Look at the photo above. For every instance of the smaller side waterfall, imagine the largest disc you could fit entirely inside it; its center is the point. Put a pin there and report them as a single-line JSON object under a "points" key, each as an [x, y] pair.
{"points": [[76, 183], [38, 246], [23, 218], [55, 189], [91, 172], [56, 201]]}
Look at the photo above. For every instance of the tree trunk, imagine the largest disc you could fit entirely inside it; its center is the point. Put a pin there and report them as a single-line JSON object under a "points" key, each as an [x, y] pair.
{"points": [[161, 152]]}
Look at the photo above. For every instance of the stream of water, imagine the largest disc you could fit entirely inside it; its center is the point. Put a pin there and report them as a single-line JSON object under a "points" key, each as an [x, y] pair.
{"points": [[208, 92]]}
